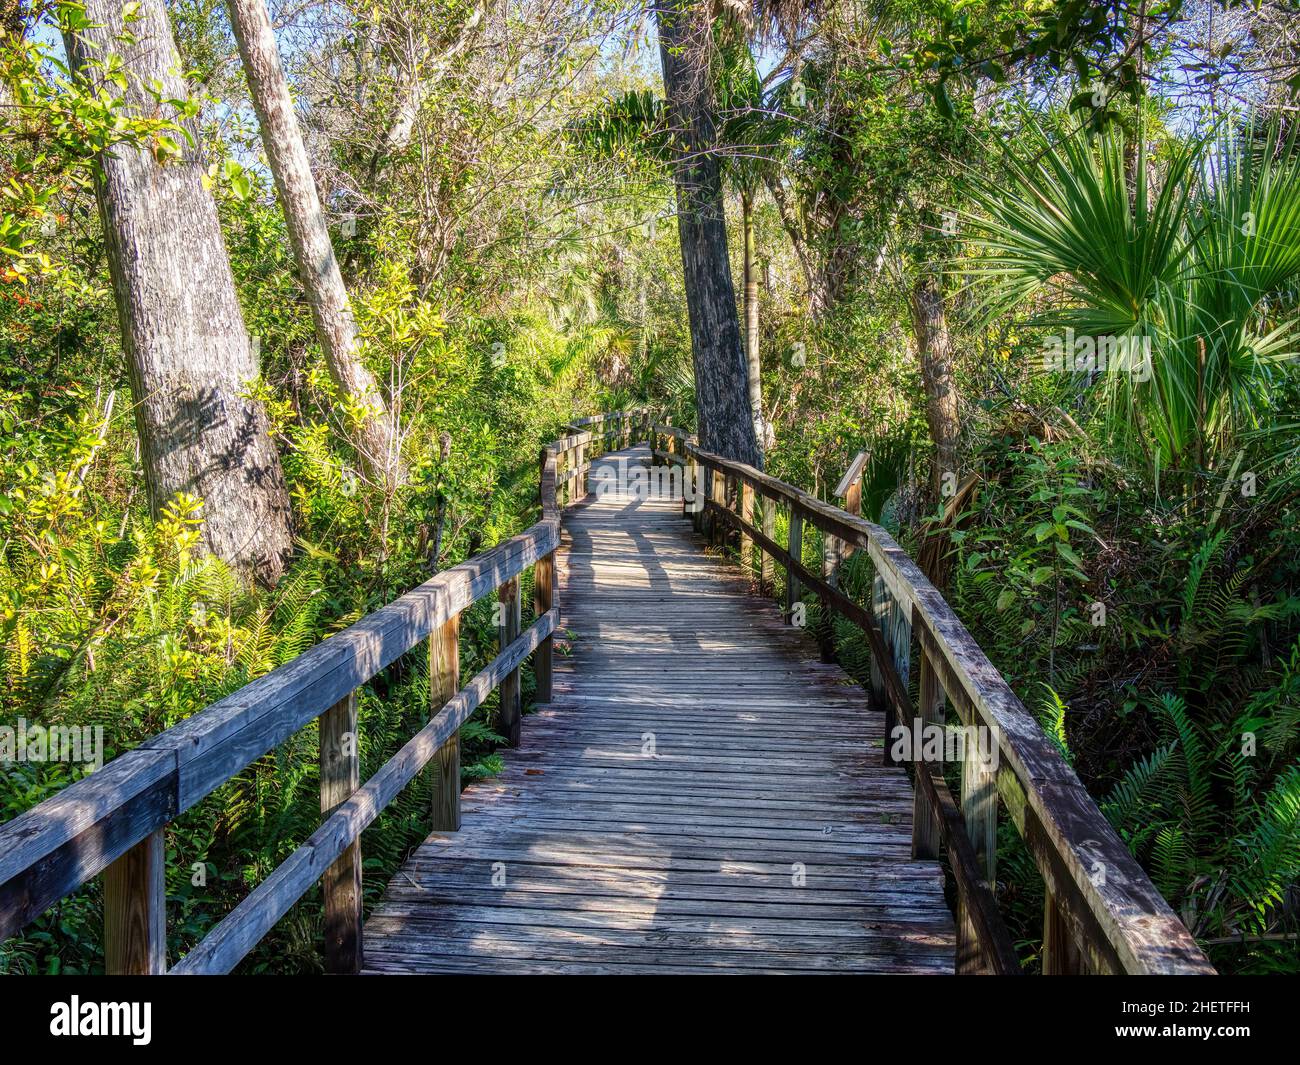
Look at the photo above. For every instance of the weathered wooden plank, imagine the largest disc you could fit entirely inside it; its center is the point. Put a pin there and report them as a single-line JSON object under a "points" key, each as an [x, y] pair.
{"points": [[536, 955], [734, 791], [236, 934], [58, 845], [1137, 929], [216, 743]]}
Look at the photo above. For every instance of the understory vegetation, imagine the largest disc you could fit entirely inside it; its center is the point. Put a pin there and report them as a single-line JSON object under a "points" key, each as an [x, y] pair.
{"points": [[1043, 269]]}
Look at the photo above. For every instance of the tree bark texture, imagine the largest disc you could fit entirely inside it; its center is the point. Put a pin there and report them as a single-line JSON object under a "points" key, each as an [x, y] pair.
{"points": [[182, 329], [934, 354], [375, 433], [721, 385]]}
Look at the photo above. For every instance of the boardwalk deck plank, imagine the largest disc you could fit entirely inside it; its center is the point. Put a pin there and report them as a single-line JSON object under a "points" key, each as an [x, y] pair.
{"points": [[759, 833]]}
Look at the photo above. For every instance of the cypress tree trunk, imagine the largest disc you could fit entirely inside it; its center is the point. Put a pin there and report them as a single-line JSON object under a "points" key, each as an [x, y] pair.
{"points": [[182, 328], [375, 435], [721, 387]]}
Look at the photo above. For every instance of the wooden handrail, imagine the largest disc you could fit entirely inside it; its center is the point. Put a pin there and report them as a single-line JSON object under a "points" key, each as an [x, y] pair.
{"points": [[1112, 916], [111, 822], [1102, 915]]}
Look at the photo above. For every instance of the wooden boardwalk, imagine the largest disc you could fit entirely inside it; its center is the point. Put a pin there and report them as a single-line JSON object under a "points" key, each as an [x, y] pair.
{"points": [[701, 795]]}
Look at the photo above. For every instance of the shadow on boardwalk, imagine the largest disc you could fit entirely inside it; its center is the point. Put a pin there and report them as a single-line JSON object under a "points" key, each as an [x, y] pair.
{"points": [[701, 795]]}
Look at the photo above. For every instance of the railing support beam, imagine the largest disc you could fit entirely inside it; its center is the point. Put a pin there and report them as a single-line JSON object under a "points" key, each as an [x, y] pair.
{"points": [[543, 600], [444, 682], [1060, 955], [767, 565], [793, 545], [507, 632], [747, 517], [930, 710]]}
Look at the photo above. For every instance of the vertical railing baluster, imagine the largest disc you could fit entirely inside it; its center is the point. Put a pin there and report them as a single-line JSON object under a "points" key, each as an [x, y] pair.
{"points": [[444, 682], [340, 776], [697, 495], [794, 547], [767, 563], [1061, 956], [826, 618], [747, 517], [135, 911], [979, 808], [507, 633], [718, 495], [543, 600], [930, 711]]}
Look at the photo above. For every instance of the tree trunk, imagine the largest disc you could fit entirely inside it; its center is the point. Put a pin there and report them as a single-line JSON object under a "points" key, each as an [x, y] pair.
{"points": [[753, 363], [721, 389], [934, 352], [375, 433], [182, 328]]}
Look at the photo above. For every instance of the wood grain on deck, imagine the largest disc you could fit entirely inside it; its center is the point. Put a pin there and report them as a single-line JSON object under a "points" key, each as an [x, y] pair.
{"points": [[702, 794]]}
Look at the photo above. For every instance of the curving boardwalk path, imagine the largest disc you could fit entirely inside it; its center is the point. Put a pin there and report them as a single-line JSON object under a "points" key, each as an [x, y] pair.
{"points": [[701, 795]]}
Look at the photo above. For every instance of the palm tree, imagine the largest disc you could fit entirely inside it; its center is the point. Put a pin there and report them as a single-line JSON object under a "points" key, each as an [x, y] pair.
{"points": [[1189, 278], [751, 132]]}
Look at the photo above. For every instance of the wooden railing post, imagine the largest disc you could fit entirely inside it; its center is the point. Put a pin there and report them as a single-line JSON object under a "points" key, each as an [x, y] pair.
{"points": [[794, 546], [444, 683], [747, 541], [696, 504], [979, 808], [340, 776], [853, 504], [507, 633], [579, 483], [767, 564], [1061, 957], [732, 503], [543, 600], [135, 911], [718, 494], [826, 619], [930, 711]]}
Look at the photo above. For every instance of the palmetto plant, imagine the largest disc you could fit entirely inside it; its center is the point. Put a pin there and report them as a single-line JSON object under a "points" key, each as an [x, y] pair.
{"points": [[1194, 259]]}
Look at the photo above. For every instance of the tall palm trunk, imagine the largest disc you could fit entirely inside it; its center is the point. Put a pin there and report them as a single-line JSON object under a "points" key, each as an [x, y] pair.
{"points": [[182, 328], [721, 372], [375, 433]]}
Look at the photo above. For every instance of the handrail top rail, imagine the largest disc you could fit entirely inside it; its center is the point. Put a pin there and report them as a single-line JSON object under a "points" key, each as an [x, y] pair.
{"points": [[71, 836], [616, 415], [1139, 925]]}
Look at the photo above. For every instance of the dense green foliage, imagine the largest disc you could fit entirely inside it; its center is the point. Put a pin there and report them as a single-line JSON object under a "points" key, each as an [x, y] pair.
{"points": [[513, 263]]}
